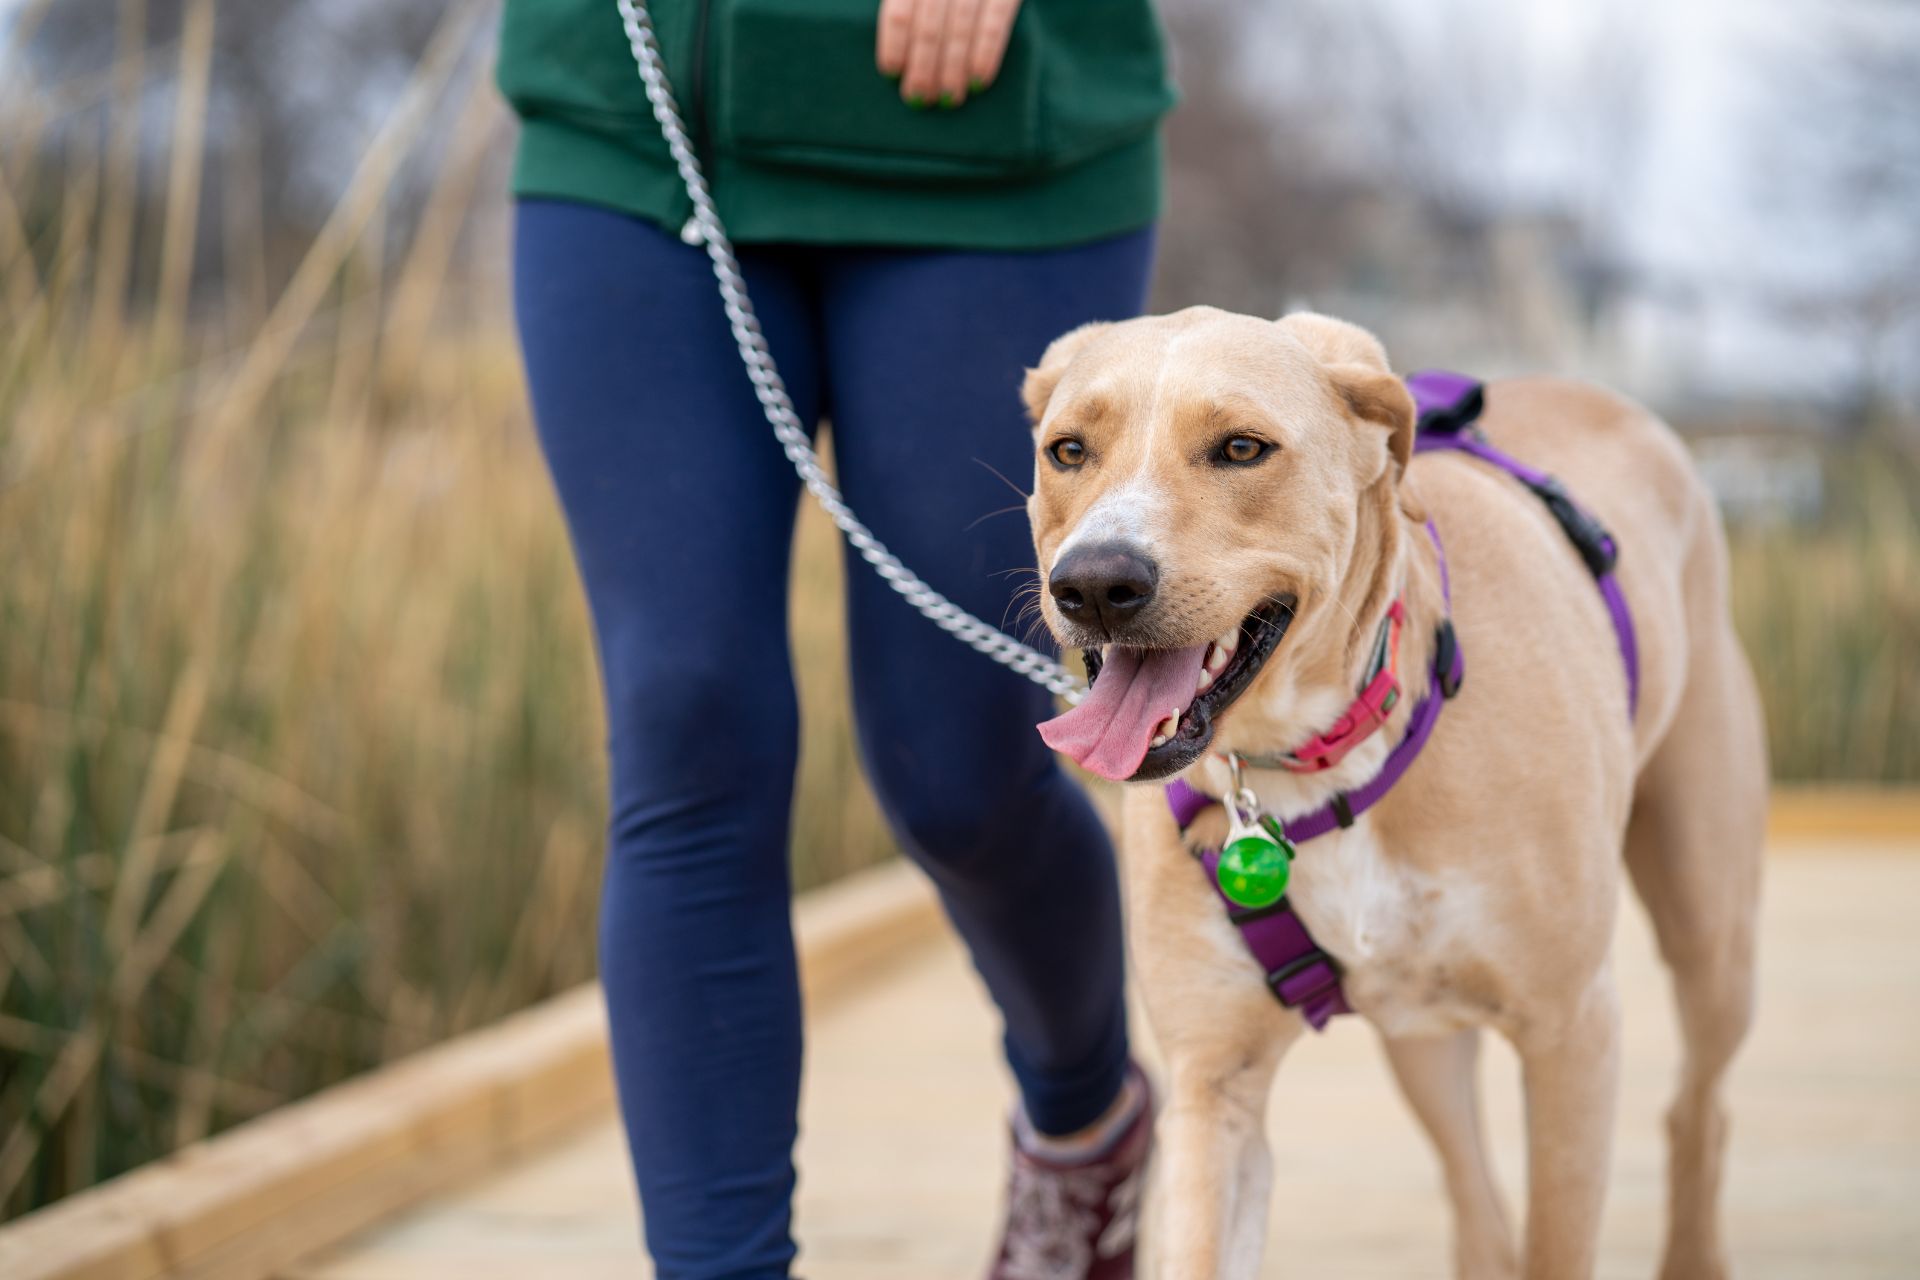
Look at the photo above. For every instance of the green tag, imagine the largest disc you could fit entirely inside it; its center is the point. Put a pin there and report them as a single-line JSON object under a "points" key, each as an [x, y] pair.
{"points": [[1253, 870]]}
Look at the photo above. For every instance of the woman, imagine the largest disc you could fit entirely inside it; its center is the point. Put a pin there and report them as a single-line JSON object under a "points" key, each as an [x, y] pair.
{"points": [[924, 193]]}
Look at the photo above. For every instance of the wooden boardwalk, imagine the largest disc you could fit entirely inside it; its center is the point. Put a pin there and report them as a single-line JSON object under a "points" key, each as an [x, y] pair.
{"points": [[903, 1141]]}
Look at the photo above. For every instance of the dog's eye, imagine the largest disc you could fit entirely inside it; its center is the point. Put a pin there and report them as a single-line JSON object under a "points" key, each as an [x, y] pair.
{"points": [[1242, 449], [1068, 452]]}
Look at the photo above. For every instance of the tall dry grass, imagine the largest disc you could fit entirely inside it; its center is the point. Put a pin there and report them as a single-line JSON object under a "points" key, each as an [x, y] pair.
{"points": [[299, 740], [1831, 621], [299, 747]]}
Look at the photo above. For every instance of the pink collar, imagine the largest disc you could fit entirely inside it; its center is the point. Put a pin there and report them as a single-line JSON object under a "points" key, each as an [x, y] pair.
{"points": [[1366, 714]]}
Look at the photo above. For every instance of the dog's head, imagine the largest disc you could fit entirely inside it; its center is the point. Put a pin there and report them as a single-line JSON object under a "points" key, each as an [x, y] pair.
{"points": [[1200, 483]]}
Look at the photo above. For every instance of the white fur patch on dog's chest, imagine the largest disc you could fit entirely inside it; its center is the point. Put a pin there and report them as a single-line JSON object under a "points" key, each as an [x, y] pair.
{"points": [[1414, 945]]}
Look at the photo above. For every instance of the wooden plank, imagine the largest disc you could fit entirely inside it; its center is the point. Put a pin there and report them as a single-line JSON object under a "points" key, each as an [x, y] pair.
{"points": [[104, 1243], [903, 1139], [244, 1204], [1828, 814]]}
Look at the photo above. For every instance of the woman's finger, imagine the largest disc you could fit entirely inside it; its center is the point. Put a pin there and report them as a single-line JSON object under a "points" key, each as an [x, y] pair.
{"points": [[990, 36], [920, 83], [896, 29], [956, 51]]}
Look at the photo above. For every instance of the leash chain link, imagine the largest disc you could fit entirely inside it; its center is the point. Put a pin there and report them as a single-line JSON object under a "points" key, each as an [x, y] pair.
{"points": [[778, 406]]}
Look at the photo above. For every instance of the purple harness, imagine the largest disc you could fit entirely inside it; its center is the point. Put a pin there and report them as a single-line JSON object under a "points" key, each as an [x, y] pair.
{"points": [[1299, 973]]}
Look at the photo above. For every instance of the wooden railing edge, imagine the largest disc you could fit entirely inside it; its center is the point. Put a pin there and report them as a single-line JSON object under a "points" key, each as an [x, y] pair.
{"points": [[1803, 813], [241, 1205]]}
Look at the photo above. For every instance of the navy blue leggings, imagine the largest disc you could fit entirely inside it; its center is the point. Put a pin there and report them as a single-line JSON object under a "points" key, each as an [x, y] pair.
{"points": [[681, 510]]}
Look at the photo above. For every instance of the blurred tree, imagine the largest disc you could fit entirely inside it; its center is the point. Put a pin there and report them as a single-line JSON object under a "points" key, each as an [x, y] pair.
{"points": [[1836, 172], [1368, 157], [1258, 215], [296, 92]]}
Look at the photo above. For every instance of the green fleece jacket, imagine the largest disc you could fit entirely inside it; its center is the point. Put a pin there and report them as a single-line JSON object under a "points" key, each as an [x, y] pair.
{"points": [[805, 141]]}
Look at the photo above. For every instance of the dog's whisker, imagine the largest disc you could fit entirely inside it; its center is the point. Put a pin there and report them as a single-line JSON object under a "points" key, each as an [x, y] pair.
{"points": [[1029, 608], [1027, 596], [991, 514], [1347, 609], [1261, 620], [1036, 630], [1024, 495]]}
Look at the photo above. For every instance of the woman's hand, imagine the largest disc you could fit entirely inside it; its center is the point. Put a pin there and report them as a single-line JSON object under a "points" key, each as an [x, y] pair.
{"points": [[942, 49]]}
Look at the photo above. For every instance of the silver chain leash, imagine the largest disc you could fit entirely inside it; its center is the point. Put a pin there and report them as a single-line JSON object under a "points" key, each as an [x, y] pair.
{"points": [[772, 392]]}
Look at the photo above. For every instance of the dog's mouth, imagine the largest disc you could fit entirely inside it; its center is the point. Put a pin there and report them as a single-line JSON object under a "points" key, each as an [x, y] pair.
{"points": [[1151, 712]]}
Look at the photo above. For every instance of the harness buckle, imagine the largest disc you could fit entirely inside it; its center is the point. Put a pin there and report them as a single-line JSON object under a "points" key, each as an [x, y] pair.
{"points": [[1589, 537], [1304, 979], [1342, 810], [1454, 406], [1446, 658]]}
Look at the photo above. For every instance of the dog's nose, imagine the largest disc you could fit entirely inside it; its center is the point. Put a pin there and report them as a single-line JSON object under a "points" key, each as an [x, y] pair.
{"points": [[1106, 584]]}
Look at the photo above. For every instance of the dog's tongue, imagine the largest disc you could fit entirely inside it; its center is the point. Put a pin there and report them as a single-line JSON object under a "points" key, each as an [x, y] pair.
{"points": [[1137, 689]]}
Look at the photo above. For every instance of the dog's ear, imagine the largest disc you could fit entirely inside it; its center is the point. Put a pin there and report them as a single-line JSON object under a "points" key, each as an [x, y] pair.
{"points": [[1357, 366], [1382, 399], [1045, 376]]}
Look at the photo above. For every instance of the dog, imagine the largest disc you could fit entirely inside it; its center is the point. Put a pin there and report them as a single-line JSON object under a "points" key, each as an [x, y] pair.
{"points": [[1227, 508]]}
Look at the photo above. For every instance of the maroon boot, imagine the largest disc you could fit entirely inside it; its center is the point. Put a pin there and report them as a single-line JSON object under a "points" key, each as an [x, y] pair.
{"points": [[1075, 1220]]}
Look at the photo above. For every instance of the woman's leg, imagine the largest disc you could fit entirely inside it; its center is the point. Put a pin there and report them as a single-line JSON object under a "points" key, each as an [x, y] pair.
{"points": [[681, 511], [924, 357]]}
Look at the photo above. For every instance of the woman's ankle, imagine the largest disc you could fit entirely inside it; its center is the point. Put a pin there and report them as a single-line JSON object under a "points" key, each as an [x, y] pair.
{"points": [[1094, 1140]]}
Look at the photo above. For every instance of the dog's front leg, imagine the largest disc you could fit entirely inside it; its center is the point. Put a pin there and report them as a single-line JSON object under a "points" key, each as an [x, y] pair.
{"points": [[1216, 1173], [1439, 1076], [1570, 1068], [1222, 1035]]}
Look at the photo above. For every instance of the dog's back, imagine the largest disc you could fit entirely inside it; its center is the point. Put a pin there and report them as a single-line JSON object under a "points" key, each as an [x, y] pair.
{"points": [[1631, 470]]}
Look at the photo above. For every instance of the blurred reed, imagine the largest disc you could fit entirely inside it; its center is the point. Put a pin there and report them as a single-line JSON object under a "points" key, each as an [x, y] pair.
{"points": [[299, 744], [299, 739], [1830, 616]]}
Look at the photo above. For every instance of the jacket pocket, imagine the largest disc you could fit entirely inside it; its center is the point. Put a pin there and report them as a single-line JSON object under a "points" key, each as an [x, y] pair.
{"points": [[797, 86]]}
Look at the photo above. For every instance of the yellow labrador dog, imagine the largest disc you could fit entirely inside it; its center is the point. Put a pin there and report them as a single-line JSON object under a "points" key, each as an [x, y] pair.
{"points": [[1227, 508]]}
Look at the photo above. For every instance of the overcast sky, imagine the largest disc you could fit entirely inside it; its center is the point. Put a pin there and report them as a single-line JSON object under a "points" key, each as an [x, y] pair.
{"points": [[1723, 195], [1713, 81]]}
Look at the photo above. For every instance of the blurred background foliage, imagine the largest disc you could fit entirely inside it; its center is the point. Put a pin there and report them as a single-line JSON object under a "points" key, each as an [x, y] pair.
{"points": [[299, 747]]}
